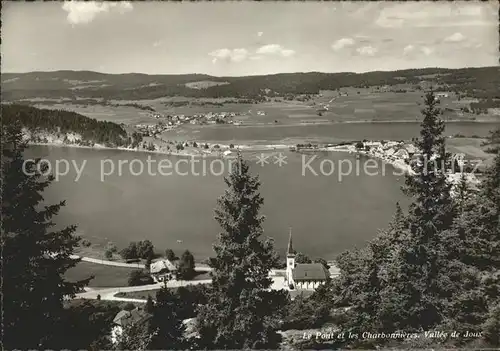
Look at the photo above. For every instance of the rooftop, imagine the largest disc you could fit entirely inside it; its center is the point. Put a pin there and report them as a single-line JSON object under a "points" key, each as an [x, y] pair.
{"points": [[125, 318], [309, 271]]}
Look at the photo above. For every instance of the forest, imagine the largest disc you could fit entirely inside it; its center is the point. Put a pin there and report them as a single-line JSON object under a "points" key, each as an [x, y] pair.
{"points": [[481, 83], [61, 121]]}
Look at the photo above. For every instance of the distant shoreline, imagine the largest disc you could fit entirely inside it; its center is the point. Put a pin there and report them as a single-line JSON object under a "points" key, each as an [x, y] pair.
{"points": [[244, 148], [215, 154]]}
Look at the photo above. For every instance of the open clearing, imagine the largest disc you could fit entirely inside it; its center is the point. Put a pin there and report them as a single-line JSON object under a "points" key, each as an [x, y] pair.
{"points": [[105, 276]]}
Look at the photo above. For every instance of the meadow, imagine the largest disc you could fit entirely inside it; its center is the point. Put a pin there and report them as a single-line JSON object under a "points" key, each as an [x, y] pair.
{"points": [[104, 276], [346, 105]]}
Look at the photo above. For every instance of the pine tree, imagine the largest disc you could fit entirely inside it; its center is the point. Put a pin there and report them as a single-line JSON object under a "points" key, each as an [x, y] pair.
{"points": [[35, 256], [431, 212], [167, 329], [240, 312], [186, 266], [149, 305], [473, 257]]}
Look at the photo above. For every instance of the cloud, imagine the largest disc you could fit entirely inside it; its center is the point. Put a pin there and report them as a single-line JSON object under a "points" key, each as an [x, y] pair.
{"points": [[80, 12], [435, 14], [342, 43], [232, 55], [426, 50], [274, 49], [408, 49], [455, 38], [157, 43], [255, 57], [259, 34], [367, 50]]}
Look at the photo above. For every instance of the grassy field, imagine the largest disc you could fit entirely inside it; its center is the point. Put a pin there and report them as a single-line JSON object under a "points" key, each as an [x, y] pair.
{"points": [[142, 295], [472, 148], [350, 104], [105, 276]]}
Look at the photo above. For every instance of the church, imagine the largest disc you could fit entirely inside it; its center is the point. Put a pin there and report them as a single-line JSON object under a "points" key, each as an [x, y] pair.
{"points": [[303, 276]]}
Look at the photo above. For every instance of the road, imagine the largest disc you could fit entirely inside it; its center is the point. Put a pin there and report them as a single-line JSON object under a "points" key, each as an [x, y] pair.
{"points": [[109, 293], [108, 263], [199, 267]]}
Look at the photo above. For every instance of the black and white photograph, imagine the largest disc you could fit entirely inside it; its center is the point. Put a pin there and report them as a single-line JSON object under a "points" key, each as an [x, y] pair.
{"points": [[229, 175]]}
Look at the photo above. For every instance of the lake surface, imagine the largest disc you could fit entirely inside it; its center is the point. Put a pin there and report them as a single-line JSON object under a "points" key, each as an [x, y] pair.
{"points": [[328, 216]]}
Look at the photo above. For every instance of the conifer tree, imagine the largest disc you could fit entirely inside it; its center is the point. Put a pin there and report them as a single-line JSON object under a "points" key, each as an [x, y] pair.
{"points": [[431, 212], [186, 266], [149, 305], [240, 313], [35, 256], [167, 329], [473, 256]]}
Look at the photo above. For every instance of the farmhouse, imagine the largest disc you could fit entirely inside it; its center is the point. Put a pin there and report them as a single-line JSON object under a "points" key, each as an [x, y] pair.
{"points": [[304, 276], [163, 269]]}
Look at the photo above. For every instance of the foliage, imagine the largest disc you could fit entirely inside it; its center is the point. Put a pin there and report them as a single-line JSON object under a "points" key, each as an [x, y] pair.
{"points": [[302, 258], [139, 277], [493, 142], [142, 249], [35, 255], [186, 266], [60, 121], [108, 254], [137, 337], [166, 323], [240, 312], [434, 267], [304, 313], [149, 305], [190, 298], [170, 255], [95, 318]]}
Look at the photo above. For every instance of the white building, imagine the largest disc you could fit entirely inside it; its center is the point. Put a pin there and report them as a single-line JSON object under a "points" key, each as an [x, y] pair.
{"points": [[162, 269], [303, 276]]}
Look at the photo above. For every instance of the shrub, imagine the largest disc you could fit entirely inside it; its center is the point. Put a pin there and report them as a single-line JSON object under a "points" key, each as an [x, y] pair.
{"points": [[139, 277], [108, 254], [86, 243]]}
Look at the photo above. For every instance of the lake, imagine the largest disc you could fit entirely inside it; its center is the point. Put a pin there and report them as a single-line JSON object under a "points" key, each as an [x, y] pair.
{"points": [[328, 215]]}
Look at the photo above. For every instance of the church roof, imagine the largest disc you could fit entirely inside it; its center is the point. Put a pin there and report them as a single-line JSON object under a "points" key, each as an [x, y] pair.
{"points": [[309, 271]]}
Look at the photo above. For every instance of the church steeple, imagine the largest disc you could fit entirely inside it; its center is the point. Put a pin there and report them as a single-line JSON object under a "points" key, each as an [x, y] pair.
{"points": [[290, 251]]}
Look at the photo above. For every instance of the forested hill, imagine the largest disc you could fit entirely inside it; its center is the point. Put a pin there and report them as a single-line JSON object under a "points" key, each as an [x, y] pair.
{"points": [[480, 83], [62, 122]]}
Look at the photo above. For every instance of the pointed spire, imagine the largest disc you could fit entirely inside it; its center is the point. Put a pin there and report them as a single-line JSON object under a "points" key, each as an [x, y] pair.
{"points": [[290, 251]]}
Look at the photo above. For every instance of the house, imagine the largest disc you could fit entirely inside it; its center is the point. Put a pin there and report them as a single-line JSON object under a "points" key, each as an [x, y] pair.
{"points": [[402, 154], [124, 319], [306, 276], [163, 269], [412, 149]]}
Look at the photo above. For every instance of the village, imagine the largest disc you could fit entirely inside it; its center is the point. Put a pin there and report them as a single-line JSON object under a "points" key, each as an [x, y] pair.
{"points": [[169, 122]]}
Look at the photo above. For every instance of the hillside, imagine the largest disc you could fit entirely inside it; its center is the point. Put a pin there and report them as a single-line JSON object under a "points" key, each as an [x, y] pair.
{"points": [[481, 83], [61, 122]]}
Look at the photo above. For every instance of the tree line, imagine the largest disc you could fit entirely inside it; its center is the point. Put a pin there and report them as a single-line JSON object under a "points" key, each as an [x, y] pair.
{"points": [[62, 122], [479, 83]]}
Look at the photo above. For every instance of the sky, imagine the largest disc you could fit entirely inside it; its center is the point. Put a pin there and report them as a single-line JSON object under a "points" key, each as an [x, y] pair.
{"points": [[247, 38]]}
